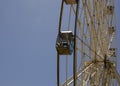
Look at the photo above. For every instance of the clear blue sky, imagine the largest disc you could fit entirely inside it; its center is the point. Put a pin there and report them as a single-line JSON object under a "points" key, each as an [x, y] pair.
{"points": [[28, 30]]}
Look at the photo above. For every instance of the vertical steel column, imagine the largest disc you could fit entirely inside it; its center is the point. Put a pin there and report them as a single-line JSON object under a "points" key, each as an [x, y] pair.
{"points": [[74, 55], [58, 57]]}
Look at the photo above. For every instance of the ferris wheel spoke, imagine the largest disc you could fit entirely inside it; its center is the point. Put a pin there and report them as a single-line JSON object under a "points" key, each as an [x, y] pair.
{"points": [[92, 31], [89, 47], [85, 54], [79, 73], [78, 21], [98, 25], [79, 24]]}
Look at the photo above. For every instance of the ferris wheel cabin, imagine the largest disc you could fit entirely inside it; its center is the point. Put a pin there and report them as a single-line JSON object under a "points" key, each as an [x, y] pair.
{"points": [[110, 9], [71, 1], [111, 30], [112, 52], [64, 43]]}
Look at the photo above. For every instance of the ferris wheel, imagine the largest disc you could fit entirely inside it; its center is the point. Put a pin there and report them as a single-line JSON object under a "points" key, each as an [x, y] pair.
{"points": [[87, 34]]}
